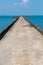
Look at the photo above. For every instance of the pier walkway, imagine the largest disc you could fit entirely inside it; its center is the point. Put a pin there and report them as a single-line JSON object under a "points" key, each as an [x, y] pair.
{"points": [[22, 45]]}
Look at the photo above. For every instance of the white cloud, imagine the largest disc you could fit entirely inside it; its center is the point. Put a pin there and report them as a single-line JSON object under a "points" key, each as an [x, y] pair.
{"points": [[23, 2]]}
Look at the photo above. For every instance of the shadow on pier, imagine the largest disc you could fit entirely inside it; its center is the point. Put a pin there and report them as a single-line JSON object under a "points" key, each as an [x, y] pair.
{"points": [[7, 29]]}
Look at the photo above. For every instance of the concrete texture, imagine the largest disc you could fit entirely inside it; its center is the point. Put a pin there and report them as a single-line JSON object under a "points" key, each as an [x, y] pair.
{"points": [[22, 45]]}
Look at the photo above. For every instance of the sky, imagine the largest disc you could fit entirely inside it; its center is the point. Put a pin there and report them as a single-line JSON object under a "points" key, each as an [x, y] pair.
{"points": [[21, 7]]}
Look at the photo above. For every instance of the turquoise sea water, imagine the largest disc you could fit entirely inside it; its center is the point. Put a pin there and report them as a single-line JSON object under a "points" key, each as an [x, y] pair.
{"points": [[5, 21], [36, 20]]}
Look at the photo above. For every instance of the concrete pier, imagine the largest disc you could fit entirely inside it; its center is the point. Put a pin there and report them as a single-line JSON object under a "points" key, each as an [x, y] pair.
{"points": [[22, 45]]}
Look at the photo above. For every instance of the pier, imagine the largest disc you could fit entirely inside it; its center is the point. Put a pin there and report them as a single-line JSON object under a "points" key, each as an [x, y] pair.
{"points": [[21, 45]]}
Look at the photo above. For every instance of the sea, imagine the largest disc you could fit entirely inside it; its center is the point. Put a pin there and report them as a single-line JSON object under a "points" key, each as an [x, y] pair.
{"points": [[36, 20], [5, 21]]}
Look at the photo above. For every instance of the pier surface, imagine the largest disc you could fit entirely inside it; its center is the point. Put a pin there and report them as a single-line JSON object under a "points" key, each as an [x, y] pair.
{"points": [[22, 45]]}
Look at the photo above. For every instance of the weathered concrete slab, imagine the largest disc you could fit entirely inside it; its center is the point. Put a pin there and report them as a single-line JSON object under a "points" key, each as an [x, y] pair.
{"points": [[22, 45]]}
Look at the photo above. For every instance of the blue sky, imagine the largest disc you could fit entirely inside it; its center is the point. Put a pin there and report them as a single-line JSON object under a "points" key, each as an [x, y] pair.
{"points": [[21, 7]]}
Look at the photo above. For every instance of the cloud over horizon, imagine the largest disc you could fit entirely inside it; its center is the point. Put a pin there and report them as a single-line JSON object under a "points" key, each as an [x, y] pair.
{"points": [[21, 7], [23, 2]]}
